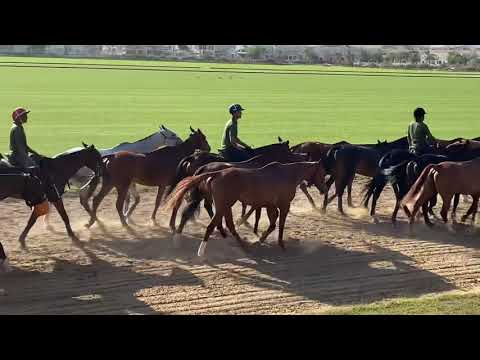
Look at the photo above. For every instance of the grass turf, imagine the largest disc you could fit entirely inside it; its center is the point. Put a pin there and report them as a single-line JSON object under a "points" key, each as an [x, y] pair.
{"points": [[109, 106]]}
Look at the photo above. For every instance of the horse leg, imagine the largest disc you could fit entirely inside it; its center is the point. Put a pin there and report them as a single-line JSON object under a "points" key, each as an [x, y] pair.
{"points": [[303, 187], [397, 204], [231, 226], [87, 191], [243, 218], [425, 214], [161, 189], [258, 214], [376, 194], [456, 200], [272, 216], [133, 192], [122, 191], [283, 217], [31, 221], [61, 210], [97, 200], [447, 199], [213, 223], [328, 185], [349, 192], [471, 210]]}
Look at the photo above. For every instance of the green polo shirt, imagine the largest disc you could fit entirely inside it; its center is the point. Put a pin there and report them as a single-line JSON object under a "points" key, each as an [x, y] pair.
{"points": [[419, 135], [231, 131]]}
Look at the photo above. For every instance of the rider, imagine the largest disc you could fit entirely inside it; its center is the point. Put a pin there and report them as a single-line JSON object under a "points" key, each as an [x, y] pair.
{"points": [[18, 141], [420, 140], [233, 149]]}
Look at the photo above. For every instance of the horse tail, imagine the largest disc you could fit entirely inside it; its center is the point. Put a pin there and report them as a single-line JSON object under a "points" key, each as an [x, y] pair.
{"points": [[191, 182], [422, 190], [377, 182]]}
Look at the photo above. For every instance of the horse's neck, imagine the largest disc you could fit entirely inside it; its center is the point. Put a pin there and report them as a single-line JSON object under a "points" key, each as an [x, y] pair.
{"points": [[67, 166], [299, 171], [185, 148]]}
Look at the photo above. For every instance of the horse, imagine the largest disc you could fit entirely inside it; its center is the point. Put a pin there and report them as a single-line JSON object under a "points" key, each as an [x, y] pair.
{"points": [[319, 151], [447, 179], [54, 174], [190, 164], [272, 186], [199, 194], [344, 161], [401, 177], [87, 182], [27, 187], [156, 168]]}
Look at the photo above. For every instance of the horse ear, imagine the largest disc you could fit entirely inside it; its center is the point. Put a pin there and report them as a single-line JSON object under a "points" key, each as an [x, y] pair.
{"points": [[378, 142], [191, 129], [84, 145], [280, 139], [163, 127], [288, 143]]}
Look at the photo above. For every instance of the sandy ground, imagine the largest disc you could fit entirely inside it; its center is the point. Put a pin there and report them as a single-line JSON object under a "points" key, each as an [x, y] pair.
{"points": [[330, 260]]}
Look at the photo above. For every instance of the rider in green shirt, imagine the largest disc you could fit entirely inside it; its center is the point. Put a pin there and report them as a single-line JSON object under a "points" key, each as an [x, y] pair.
{"points": [[234, 149], [19, 149], [420, 139]]}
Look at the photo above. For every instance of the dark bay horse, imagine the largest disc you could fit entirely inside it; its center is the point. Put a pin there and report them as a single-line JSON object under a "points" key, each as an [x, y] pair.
{"points": [[272, 186], [404, 174], [157, 168], [54, 174], [27, 187], [344, 161], [202, 193]]}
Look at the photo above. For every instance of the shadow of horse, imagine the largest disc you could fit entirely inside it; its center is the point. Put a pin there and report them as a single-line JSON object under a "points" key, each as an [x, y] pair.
{"points": [[310, 272], [94, 288]]}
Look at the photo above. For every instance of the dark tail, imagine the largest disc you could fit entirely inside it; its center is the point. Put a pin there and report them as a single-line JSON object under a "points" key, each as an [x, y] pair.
{"points": [[181, 173], [377, 183]]}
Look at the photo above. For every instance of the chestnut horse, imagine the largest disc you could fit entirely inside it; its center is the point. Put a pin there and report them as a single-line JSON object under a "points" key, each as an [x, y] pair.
{"points": [[447, 179], [157, 168], [272, 186], [201, 193]]}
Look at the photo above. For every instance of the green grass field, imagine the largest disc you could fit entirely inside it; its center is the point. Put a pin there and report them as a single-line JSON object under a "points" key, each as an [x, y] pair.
{"points": [[297, 102], [446, 304]]}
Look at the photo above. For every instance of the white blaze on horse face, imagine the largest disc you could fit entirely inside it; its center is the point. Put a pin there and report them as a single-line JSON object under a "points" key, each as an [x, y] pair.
{"points": [[201, 249]]}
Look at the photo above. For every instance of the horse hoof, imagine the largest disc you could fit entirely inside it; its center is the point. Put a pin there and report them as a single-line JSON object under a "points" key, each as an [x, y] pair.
{"points": [[5, 266], [375, 220]]}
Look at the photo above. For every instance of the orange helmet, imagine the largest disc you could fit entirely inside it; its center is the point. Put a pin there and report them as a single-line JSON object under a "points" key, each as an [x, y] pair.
{"points": [[19, 112]]}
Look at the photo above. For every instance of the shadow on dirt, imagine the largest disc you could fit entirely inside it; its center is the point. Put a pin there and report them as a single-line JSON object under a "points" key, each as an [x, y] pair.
{"points": [[72, 288]]}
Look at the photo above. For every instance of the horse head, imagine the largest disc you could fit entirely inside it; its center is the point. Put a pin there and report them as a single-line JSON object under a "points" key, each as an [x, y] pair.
{"points": [[198, 140], [171, 139], [93, 159]]}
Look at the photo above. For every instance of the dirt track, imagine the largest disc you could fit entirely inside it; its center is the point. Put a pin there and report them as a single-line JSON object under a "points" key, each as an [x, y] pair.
{"points": [[330, 260]]}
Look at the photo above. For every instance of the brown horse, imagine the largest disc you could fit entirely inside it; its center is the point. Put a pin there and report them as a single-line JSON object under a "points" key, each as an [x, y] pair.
{"points": [[203, 193], [272, 186], [152, 169], [447, 179]]}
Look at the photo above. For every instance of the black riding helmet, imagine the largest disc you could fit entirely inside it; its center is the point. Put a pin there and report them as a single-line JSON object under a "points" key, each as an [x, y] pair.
{"points": [[419, 112], [235, 107]]}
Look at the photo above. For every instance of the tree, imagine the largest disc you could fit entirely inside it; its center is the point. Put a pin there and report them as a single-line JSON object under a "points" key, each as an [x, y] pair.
{"points": [[414, 57], [455, 58], [310, 55], [256, 52]]}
